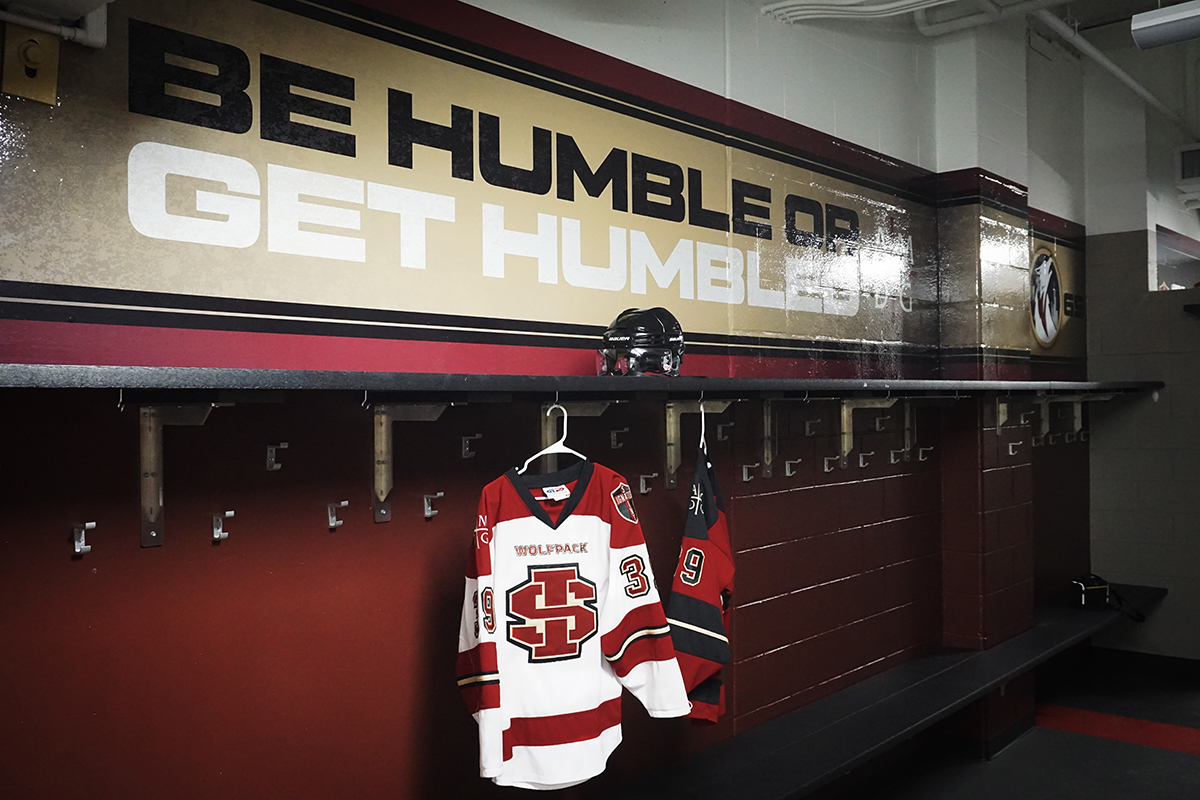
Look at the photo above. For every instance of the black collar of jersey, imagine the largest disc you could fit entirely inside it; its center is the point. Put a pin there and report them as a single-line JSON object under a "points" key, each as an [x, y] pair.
{"points": [[581, 473]]}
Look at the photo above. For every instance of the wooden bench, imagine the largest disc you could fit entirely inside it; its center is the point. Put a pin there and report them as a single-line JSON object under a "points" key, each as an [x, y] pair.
{"points": [[808, 748]]}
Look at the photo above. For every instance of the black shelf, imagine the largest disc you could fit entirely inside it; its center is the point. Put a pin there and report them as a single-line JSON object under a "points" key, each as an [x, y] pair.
{"points": [[410, 385]]}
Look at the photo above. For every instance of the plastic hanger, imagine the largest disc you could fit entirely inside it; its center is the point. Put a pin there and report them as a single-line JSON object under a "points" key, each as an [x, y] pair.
{"points": [[558, 447]]}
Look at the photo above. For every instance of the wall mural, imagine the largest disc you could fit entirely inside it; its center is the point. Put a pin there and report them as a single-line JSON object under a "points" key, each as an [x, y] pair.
{"points": [[290, 186]]}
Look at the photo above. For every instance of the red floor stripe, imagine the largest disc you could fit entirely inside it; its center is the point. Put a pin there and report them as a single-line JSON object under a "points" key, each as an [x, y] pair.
{"points": [[1122, 729]]}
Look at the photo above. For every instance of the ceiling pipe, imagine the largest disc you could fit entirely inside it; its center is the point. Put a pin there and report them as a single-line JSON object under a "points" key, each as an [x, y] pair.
{"points": [[798, 10], [1085, 47], [991, 13], [92, 33]]}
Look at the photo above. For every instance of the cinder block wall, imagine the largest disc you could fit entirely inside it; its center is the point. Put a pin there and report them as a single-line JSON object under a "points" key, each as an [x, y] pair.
{"points": [[1145, 453]]}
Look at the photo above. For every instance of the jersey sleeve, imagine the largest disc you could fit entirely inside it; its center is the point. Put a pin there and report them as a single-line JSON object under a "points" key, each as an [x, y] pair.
{"points": [[635, 637], [698, 609], [477, 668]]}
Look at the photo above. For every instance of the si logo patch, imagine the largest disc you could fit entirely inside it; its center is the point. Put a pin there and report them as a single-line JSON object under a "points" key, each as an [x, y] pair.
{"points": [[622, 498], [553, 613]]}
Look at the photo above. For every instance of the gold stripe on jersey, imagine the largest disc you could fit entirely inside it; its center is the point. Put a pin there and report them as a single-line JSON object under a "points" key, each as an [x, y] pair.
{"points": [[704, 631], [639, 634]]}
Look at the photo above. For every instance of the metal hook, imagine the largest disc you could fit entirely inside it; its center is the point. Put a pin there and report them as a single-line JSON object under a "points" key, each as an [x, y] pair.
{"points": [[467, 452], [746, 476], [81, 546], [642, 485], [788, 469], [430, 511], [612, 437], [273, 464], [219, 533], [332, 508]]}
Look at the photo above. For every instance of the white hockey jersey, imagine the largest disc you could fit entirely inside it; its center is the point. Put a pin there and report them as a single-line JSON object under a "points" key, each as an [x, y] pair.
{"points": [[560, 612]]}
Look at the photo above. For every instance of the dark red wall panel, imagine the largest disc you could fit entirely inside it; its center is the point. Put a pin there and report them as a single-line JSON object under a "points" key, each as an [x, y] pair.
{"points": [[839, 570]]}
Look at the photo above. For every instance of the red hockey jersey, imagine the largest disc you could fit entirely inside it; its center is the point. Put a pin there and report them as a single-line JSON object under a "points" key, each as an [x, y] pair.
{"points": [[560, 612], [698, 609]]}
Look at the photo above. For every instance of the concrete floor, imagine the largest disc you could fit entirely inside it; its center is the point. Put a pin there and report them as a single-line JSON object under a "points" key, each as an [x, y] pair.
{"points": [[1047, 764]]}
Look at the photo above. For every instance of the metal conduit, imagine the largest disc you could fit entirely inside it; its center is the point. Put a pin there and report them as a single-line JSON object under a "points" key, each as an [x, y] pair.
{"points": [[92, 33], [797, 10], [1088, 49], [990, 13]]}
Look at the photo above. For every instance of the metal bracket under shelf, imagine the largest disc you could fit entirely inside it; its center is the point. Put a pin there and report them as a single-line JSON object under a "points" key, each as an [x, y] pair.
{"points": [[385, 415], [150, 441], [846, 422]]}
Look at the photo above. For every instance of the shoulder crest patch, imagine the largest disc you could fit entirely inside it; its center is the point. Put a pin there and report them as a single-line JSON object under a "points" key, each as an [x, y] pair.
{"points": [[622, 498]]}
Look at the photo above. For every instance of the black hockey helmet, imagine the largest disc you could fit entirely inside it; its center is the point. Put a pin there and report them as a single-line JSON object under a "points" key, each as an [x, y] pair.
{"points": [[642, 340]]}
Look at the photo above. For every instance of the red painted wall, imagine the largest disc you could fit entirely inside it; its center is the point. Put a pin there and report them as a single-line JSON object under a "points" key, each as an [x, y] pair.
{"points": [[295, 661]]}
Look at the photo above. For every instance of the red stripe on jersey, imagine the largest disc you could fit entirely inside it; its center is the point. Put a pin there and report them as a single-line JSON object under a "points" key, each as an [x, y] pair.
{"points": [[707, 711], [653, 645], [482, 695], [561, 728], [634, 640], [479, 677]]}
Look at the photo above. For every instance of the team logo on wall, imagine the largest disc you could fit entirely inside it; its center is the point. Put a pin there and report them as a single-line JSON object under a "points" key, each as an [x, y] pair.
{"points": [[553, 613], [1045, 298]]}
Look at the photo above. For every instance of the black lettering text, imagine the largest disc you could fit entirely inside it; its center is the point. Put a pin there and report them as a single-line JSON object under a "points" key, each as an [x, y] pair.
{"points": [[150, 74], [841, 224], [404, 132], [697, 214], [814, 234], [1074, 305], [742, 207], [612, 172], [536, 180], [670, 188], [277, 104]]}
